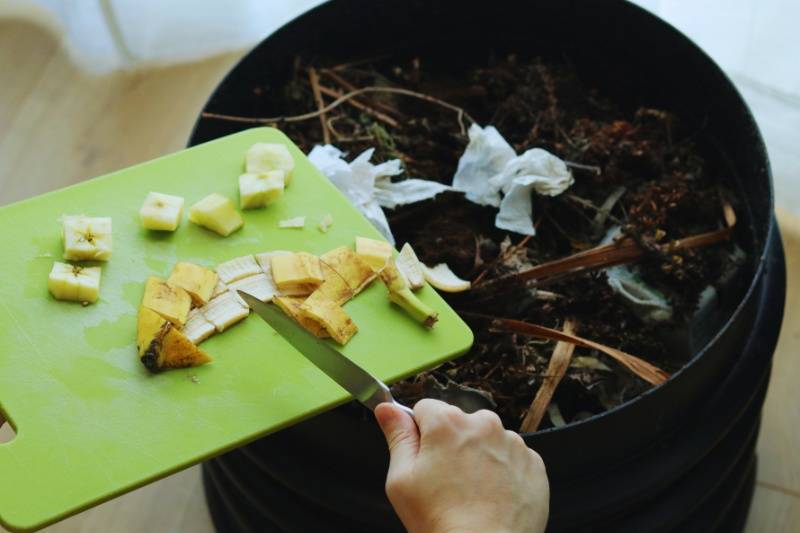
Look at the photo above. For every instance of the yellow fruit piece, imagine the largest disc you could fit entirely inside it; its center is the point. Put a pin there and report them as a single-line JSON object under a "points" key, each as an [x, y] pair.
{"points": [[161, 346], [173, 303], [75, 283], [86, 238], [400, 294], [198, 281], [333, 289], [444, 279], [161, 211], [375, 253], [264, 157], [217, 213], [332, 317], [350, 266], [291, 306], [258, 190], [297, 273]]}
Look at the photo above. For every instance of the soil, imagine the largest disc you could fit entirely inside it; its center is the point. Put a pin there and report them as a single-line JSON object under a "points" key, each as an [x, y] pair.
{"points": [[672, 189]]}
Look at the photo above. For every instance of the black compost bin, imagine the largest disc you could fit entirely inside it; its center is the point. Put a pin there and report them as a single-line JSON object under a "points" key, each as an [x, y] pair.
{"points": [[680, 457]]}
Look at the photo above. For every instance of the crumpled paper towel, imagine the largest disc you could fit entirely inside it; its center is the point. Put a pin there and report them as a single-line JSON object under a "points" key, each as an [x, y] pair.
{"points": [[369, 187], [489, 165]]}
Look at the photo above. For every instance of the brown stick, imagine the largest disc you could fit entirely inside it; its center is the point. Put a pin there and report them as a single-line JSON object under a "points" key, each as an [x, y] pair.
{"points": [[460, 113], [350, 87], [358, 105], [313, 79], [648, 372], [556, 369]]}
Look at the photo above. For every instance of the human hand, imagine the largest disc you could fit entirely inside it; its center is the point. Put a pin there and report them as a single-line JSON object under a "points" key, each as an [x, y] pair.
{"points": [[456, 472]]}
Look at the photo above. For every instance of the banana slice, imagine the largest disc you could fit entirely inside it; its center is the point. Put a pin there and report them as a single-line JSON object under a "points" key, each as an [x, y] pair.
{"points": [[197, 328], [79, 284], [444, 279], [410, 267], [332, 317], [259, 286], [198, 281], [173, 303], [263, 157], [162, 346], [292, 223], [86, 238], [224, 311], [217, 213], [376, 253], [238, 268], [161, 211]]}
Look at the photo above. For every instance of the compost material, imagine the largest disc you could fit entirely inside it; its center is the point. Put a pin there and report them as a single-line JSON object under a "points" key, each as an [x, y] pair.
{"points": [[645, 171]]}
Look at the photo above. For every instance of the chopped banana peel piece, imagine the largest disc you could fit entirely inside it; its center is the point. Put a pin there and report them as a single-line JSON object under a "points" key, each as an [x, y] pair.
{"points": [[291, 306], [225, 310], [172, 303], [86, 238], [198, 281], [350, 266], [259, 286], [401, 294], [375, 253], [219, 289], [334, 289], [410, 267], [197, 328], [264, 157], [264, 260], [298, 273], [325, 223], [161, 212], [238, 268], [217, 213], [444, 279], [74, 283], [332, 317], [292, 223], [162, 346]]}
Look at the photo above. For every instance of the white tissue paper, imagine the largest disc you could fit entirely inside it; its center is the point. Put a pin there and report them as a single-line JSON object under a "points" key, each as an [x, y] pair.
{"points": [[489, 165], [369, 187], [650, 304]]}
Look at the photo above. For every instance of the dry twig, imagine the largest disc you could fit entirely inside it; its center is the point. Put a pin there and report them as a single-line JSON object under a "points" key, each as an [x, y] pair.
{"points": [[556, 369], [386, 119], [313, 79]]}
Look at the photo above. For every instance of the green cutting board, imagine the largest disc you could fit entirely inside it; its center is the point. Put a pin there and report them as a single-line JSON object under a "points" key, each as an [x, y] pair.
{"points": [[91, 422]]}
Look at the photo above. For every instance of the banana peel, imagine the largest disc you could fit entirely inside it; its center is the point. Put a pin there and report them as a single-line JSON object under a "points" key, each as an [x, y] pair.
{"points": [[291, 306], [162, 346], [296, 274], [332, 317], [356, 272], [334, 289], [172, 303], [198, 281], [400, 294]]}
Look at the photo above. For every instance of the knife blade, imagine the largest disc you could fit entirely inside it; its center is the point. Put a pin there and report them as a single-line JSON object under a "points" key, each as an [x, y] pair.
{"points": [[364, 387]]}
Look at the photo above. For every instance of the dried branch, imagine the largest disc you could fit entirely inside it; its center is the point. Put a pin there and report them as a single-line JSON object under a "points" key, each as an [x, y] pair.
{"points": [[386, 119], [350, 87], [648, 372], [313, 79], [460, 113], [556, 369]]}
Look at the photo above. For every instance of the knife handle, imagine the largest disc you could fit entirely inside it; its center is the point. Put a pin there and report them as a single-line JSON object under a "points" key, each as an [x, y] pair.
{"points": [[407, 410]]}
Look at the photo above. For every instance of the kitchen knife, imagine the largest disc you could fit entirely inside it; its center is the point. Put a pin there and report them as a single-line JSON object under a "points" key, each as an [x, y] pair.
{"points": [[364, 387]]}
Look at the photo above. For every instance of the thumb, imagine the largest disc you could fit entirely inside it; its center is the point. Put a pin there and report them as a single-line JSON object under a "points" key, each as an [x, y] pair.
{"points": [[400, 431]]}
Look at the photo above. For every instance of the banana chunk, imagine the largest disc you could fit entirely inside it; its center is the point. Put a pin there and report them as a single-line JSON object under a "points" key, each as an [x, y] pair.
{"points": [[197, 328], [350, 266], [264, 157], [296, 274], [259, 286], [75, 283], [172, 303], [410, 267], [224, 311], [198, 281], [217, 213], [86, 238], [291, 306], [375, 253], [238, 268], [444, 279], [332, 317], [161, 212], [161, 345], [261, 189]]}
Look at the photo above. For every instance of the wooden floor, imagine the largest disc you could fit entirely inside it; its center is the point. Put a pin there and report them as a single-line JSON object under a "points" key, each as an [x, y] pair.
{"points": [[59, 126]]}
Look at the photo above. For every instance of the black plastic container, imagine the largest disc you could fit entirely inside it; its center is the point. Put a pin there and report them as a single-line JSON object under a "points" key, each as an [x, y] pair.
{"points": [[335, 462]]}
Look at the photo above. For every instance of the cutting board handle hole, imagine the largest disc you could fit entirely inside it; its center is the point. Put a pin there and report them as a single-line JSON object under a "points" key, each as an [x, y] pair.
{"points": [[7, 430]]}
